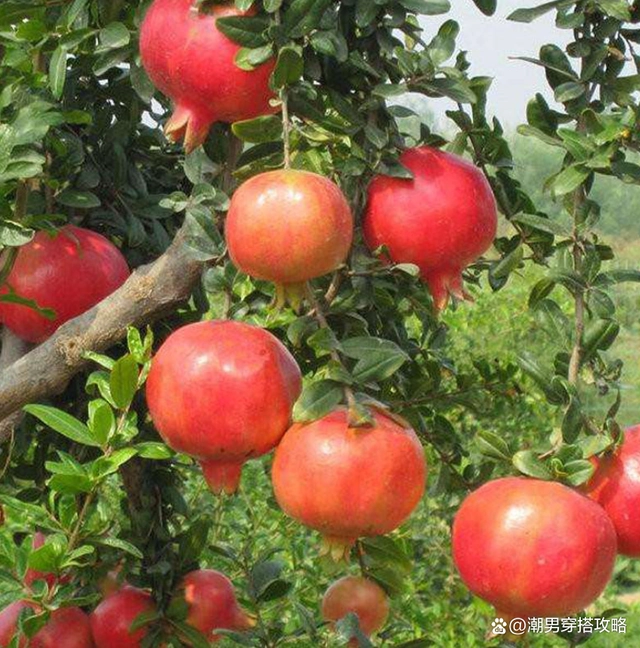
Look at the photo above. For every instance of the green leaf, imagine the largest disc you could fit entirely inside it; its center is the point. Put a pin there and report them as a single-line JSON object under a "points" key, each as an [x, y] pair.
{"points": [[63, 423], [529, 15], [527, 462], [427, 7], [265, 583], [117, 543], [153, 450], [568, 91], [303, 16], [578, 472], [377, 359], [248, 31], [58, 71], [572, 421], [488, 7], [267, 128], [317, 399], [289, 67], [123, 381], [113, 36], [102, 421], [543, 224], [493, 446], [78, 199], [569, 179], [250, 58]]}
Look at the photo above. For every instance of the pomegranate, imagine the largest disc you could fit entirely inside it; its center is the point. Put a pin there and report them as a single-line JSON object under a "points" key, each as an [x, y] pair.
{"points": [[289, 226], [111, 620], [360, 596], [193, 63], [348, 482], [616, 487], [222, 392], [48, 266], [212, 603], [441, 221], [533, 548], [66, 628]]}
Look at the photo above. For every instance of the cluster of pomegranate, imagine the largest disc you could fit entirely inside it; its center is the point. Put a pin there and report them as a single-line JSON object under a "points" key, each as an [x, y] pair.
{"points": [[124, 616], [535, 548]]}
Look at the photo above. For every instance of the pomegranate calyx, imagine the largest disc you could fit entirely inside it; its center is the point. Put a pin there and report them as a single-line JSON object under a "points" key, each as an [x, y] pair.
{"points": [[222, 476], [338, 549], [188, 124]]}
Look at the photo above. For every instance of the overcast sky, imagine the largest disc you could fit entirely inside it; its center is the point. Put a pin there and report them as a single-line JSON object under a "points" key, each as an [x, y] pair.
{"points": [[490, 42]]}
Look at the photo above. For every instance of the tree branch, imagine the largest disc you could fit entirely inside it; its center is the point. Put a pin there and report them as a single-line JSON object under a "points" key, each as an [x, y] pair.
{"points": [[151, 292]]}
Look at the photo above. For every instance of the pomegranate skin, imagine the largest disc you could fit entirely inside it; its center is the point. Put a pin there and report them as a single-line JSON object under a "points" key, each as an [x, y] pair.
{"points": [[193, 63], [222, 392], [442, 220], [349, 482], [212, 604], [288, 226], [66, 628], [361, 596], [111, 620], [533, 548], [615, 485], [47, 266]]}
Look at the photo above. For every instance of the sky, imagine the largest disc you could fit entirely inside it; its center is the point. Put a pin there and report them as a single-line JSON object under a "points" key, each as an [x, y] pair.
{"points": [[490, 42]]}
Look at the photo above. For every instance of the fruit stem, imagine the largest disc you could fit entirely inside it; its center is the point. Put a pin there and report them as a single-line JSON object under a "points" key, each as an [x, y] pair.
{"points": [[355, 415], [286, 122]]}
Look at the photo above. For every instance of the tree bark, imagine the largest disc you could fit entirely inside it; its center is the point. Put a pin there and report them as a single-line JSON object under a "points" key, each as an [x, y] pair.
{"points": [[152, 291]]}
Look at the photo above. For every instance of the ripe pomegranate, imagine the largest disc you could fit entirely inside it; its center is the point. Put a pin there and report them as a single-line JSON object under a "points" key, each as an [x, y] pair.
{"points": [[442, 220], [222, 392], [111, 620], [66, 628], [361, 596], [533, 548], [616, 487], [212, 603], [48, 266], [348, 482], [289, 226], [193, 63]]}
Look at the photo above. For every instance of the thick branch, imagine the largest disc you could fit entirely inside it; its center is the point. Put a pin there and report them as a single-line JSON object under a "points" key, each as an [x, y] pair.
{"points": [[151, 292]]}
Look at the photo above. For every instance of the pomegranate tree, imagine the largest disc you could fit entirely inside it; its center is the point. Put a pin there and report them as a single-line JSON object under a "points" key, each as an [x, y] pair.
{"points": [[212, 603], [66, 628], [360, 596], [222, 392], [191, 61], [442, 220], [289, 226], [48, 266], [533, 548], [111, 620], [347, 482], [615, 485]]}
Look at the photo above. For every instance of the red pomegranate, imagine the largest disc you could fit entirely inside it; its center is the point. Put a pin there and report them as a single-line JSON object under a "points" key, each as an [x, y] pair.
{"points": [[66, 628], [348, 482], [69, 272], [360, 596], [193, 63], [616, 487], [289, 226], [222, 392], [111, 620], [212, 603], [442, 220], [533, 548]]}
